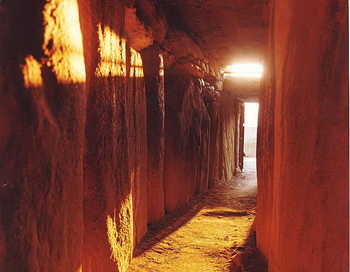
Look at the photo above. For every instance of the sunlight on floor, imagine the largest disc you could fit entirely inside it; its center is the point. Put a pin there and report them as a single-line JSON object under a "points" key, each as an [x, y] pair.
{"points": [[205, 237]]}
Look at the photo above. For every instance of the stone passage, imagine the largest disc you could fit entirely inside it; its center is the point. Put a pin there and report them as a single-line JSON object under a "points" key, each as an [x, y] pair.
{"points": [[114, 114], [214, 232]]}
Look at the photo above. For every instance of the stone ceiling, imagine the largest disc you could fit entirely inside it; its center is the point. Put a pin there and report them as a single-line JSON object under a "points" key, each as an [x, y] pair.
{"points": [[244, 89], [232, 30]]}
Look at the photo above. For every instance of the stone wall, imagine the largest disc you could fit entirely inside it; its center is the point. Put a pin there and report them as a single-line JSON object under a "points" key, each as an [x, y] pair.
{"points": [[90, 149], [115, 192], [186, 140], [154, 83], [302, 220], [224, 114], [42, 122]]}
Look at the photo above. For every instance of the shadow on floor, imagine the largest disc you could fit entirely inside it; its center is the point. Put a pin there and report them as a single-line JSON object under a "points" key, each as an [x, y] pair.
{"points": [[235, 198], [226, 213], [248, 258], [170, 223]]}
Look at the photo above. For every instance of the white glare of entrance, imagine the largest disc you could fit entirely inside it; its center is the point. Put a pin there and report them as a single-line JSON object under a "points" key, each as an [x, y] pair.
{"points": [[254, 70]]}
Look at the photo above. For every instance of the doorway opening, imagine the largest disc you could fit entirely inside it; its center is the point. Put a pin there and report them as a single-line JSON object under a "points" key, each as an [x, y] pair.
{"points": [[250, 135]]}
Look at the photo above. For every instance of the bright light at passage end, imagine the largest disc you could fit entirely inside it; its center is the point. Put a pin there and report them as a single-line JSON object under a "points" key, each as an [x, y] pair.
{"points": [[251, 111], [245, 70]]}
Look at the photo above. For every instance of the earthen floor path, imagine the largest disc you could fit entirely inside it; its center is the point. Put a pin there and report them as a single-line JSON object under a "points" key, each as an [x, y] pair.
{"points": [[208, 234]]}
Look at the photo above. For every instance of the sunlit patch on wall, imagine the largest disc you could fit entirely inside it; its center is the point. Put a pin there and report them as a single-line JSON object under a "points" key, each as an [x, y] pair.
{"points": [[80, 269], [112, 49], [63, 44], [31, 73], [252, 70], [136, 64], [120, 234], [161, 72]]}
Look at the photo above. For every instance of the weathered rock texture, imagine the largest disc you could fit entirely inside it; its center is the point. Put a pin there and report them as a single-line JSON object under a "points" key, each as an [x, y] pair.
{"points": [[154, 83], [86, 157], [223, 115], [42, 104], [187, 136], [244, 89], [48, 103], [115, 188], [302, 222], [231, 30], [151, 14], [200, 145]]}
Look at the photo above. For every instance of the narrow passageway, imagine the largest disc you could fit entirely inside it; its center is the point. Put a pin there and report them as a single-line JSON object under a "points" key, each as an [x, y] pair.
{"points": [[207, 234], [126, 142]]}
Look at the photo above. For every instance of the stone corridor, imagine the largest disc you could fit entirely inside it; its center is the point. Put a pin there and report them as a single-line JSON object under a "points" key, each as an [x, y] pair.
{"points": [[122, 131], [208, 234]]}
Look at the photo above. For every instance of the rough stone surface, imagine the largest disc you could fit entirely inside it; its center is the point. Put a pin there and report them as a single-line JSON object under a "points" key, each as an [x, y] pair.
{"points": [[244, 89], [42, 128], [77, 184], [223, 117], [84, 201], [115, 199], [181, 45], [187, 140], [136, 111], [183, 54], [230, 30], [153, 16], [154, 83], [303, 216], [138, 34]]}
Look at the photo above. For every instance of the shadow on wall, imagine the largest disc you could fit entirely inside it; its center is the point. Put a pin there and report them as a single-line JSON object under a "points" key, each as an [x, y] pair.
{"points": [[248, 258]]}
